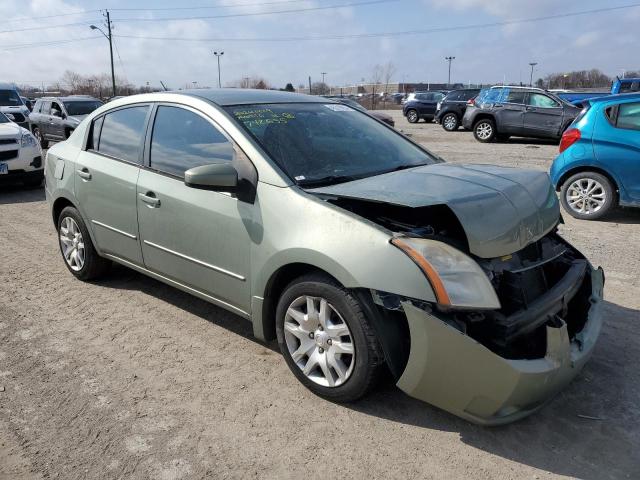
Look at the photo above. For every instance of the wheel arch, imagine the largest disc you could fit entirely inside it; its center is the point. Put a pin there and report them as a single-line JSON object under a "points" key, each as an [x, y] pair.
{"points": [[60, 204], [274, 287], [484, 116], [587, 168]]}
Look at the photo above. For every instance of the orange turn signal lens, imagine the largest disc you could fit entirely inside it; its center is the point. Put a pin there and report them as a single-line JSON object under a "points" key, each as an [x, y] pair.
{"points": [[442, 297]]}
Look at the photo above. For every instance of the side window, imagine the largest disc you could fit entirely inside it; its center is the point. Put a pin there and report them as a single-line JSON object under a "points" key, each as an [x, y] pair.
{"points": [[182, 140], [122, 133], [94, 140], [46, 107], [629, 116], [542, 101], [516, 96], [55, 106], [36, 107]]}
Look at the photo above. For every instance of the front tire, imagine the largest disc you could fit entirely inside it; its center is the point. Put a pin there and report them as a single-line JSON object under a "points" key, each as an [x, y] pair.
{"points": [[326, 339], [450, 122], [412, 116], [77, 249], [588, 196], [484, 130]]}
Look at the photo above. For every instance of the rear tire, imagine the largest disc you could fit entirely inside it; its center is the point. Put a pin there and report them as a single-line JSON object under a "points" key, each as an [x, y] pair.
{"points": [[320, 352], [450, 122], [77, 249], [412, 116], [588, 196], [484, 130]]}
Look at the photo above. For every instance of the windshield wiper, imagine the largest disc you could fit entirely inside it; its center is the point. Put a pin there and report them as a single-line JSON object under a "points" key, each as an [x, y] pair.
{"points": [[328, 180]]}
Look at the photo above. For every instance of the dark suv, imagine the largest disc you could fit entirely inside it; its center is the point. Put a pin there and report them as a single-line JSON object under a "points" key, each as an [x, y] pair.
{"points": [[450, 110], [500, 112], [54, 118], [421, 105]]}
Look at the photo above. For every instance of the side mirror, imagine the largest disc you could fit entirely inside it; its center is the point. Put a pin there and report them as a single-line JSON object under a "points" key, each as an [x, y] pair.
{"points": [[220, 177]]}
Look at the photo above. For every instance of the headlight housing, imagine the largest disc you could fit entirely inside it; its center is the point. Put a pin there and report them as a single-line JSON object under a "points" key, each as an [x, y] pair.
{"points": [[457, 280], [28, 140]]}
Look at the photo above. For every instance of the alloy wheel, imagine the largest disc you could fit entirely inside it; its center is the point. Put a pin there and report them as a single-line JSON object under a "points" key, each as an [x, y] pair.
{"points": [[450, 122], [412, 116], [319, 341], [586, 196], [484, 130], [72, 244]]}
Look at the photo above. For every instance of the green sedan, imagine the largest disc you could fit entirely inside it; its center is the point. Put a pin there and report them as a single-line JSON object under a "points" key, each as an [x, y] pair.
{"points": [[359, 250]]}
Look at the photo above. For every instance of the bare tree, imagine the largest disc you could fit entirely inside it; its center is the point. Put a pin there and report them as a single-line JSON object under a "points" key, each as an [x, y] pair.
{"points": [[389, 72], [376, 77]]}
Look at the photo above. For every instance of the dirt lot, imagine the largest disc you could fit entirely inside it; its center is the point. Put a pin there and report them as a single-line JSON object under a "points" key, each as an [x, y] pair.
{"points": [[129, 378]]}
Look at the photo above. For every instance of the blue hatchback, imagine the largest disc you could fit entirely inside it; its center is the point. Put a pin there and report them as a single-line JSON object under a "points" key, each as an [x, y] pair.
{"points": [[599, 163]]}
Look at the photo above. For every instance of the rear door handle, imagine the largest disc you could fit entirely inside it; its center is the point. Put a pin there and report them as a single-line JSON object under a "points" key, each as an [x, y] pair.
{"points": [[84, 174], [150, 199]]}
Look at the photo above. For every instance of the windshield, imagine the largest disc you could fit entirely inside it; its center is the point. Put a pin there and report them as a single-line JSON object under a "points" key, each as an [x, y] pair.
{"points": [[4, 119], [321, 144], [83, 107], [10, 98]]}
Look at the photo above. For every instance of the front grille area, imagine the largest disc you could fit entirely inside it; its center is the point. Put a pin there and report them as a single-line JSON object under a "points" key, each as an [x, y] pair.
{"points": [[8, 154], [8, 141]]}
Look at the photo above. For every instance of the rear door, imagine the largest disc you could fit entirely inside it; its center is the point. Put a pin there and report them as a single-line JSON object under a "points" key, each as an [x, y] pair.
{"points": [[198, 238], [510, 113], [106, 177], [616, 143], [543, 116]]}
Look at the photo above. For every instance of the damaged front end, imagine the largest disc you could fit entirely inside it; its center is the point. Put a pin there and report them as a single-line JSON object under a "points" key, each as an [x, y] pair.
{"points": [[494, 366]]}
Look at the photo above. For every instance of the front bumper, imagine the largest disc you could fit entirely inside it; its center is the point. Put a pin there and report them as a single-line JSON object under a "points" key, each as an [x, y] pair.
{"points": [[450, 370]]}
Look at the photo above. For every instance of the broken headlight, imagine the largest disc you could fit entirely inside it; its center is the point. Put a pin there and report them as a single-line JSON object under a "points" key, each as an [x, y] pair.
{"points": [[457, 280]]}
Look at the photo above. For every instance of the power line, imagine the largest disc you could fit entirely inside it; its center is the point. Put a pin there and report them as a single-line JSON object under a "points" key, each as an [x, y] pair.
{"points": [[255, 14], [41, 44], [389, 34], [205, 7], [22, 19], [76, 24]]}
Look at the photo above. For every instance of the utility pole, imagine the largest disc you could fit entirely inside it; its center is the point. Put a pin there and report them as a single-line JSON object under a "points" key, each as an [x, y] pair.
{"points": [[310, 85], [449, 59], [532, 64], [323, 84], [109, 37], [218, 55]]}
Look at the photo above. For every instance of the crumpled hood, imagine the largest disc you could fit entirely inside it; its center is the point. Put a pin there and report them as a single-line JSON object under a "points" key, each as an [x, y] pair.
{"points": [[501, 209]]}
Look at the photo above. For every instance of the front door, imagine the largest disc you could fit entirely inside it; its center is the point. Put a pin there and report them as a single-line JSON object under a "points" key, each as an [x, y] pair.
{"points": [[56, 124], [106, 177], [543, 116], [198, 238]]}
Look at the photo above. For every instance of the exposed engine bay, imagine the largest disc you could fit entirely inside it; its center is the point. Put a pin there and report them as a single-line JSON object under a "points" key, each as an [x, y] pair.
{"points": [[545, 283]]}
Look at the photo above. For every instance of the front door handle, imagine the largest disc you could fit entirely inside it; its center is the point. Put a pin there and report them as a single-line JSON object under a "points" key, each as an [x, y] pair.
{"points": [[84, 174], [150, 199]]}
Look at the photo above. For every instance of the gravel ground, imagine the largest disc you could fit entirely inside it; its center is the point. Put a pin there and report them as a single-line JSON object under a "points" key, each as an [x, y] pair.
{"points": [[129, 378]]}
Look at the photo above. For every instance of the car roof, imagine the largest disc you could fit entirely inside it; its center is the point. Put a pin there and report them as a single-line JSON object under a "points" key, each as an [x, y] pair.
{"points": [[239, 96], [614, 98], [7, 86], [523, 88], [71, 97]]}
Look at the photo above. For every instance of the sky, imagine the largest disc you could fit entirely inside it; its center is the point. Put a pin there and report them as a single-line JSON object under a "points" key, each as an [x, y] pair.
{"points": [[606, 40]]}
